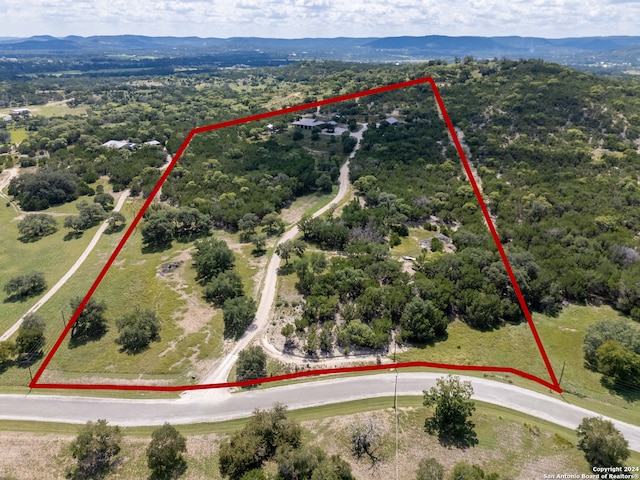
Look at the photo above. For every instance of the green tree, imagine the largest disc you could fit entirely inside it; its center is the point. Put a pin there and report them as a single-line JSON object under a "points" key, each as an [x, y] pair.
{"points": [[603, 445], [259, 243], [35, 226], [75, 223], [256, 474], [436, 245], [422, 321], [238, 313], [618, 362], [7, 351], [45, 187], [284, 250], [90, 213], [91, 323], [104, 199], [211, 258], [116, 222], [222, 287], [31, 337], [453, 407], [251, 364], [430, 469], [137, 330], [482, 311], [157, 231], [95, 449], [311, 463], [621, 331], [273, 224], [165, 453], [263, 434], [247, 226], [27, 285], [189, 223], [466, 471], [287, 332]]}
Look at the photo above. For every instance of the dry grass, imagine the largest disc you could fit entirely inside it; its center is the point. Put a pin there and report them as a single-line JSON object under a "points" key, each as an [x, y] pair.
{"points": [[513, 445]]}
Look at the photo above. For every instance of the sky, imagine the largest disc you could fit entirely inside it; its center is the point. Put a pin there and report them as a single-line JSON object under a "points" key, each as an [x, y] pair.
{"points": [[320, 18]]}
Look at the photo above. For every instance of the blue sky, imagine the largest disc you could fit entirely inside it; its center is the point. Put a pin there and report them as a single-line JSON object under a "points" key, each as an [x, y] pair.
{"points": [[320, 18]]}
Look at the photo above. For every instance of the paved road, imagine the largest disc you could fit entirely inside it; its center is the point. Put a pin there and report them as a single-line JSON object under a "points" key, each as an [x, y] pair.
{"points": [[220, 405], [47, 296]]}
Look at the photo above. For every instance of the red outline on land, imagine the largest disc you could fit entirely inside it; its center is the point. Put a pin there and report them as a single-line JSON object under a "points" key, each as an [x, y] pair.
{"points": [[553, 385]]}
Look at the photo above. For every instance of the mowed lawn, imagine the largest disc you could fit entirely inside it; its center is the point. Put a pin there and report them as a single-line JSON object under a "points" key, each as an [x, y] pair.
{"points": [[51, 255], [17, 134], [514, 346]]}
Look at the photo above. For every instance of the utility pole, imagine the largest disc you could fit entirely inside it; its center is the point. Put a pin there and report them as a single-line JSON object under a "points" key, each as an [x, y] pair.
{"points": [[64, 322], [394, 349], [562, 372]]}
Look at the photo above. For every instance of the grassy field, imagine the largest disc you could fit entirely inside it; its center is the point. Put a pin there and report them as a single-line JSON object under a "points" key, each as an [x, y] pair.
{"points": [[410, 245], [191, 335], [515, 445], [18, 135], [190, 329], [53, 109], [51, 255], [513, 346]]}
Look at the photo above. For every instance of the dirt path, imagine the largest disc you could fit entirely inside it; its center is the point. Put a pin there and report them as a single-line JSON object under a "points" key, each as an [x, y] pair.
{"points": [[474, 172], [472, 167], [162, 169], [47, 296], [269, 287]]}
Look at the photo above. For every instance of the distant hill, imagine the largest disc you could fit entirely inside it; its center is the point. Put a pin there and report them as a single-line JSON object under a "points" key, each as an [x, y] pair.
{"points": [[570, 51]]}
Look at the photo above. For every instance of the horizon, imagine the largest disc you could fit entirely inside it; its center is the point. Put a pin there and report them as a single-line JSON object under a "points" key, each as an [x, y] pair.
{"points": [[296, 19], [59, 37]]}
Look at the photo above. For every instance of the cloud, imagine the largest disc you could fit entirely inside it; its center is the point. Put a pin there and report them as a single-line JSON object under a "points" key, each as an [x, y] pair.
{"points": [[322, 18]]}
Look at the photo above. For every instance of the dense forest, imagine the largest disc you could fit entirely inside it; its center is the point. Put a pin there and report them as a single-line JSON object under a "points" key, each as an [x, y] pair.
{"points": [[556, 151]]}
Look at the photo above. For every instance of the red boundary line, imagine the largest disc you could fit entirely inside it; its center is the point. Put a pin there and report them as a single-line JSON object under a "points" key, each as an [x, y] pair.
{"points": [[554, 385]]}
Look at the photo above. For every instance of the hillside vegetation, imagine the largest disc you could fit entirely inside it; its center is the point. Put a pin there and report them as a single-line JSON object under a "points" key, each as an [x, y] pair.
{"points": [[556, 152]]}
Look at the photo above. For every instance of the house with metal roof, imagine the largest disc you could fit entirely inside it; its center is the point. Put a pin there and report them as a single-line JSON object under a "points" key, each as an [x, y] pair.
{"points": [[118, 144], [308, 123]]}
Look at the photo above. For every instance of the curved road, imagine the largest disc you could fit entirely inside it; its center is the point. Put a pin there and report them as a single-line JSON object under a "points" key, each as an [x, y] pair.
{"points": [[222, 405]]}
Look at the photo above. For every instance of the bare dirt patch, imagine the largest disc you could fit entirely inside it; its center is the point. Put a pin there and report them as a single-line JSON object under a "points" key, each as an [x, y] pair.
{"points": [[56, 376], [33, 456], [334, 435], [538, 467], [302, 205], [197, 313], [279, 102]]}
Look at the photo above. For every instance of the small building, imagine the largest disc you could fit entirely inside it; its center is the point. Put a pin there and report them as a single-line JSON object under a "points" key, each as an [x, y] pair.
{"points": [[331, 126], [391, 121], [20, 111], [7, 118], [118, 144], [308, 123], [152, 143]]}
